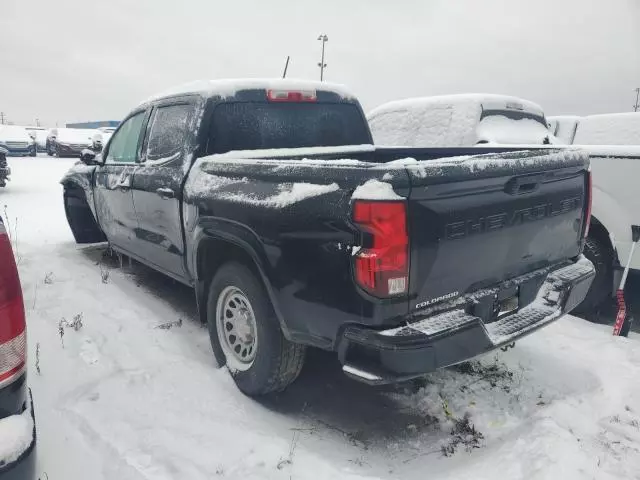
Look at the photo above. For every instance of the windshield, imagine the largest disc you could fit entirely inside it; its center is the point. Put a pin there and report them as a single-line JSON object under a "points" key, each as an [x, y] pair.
{"points": [[249, 126], [505, 126], [515, 115]]}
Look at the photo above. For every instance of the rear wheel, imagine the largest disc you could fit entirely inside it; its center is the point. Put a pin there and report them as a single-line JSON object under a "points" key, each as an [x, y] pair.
{"points": [[599, 253], [243, 326]]}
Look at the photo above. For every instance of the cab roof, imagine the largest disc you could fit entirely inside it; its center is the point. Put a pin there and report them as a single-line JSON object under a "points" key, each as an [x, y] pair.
{"points": [[229, 87]]}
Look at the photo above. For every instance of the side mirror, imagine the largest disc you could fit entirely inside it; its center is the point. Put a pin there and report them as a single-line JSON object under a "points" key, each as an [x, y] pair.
{"points": [[88, 157]]}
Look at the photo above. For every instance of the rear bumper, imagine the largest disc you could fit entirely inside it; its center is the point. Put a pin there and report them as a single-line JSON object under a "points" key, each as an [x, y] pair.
{"points": [[456, 335]]}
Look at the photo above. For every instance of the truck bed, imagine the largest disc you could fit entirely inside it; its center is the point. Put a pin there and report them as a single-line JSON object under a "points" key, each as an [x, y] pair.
{"points": [[473, 222]]}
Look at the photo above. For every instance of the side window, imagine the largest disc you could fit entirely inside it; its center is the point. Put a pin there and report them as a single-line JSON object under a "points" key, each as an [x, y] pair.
{"points": [[123, 147], [168, 130]]}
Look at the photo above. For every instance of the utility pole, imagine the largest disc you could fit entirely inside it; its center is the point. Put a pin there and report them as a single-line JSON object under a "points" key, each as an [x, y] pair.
{"points": [[37, 122], [324, 39], [2, 118], [637, 105], [286, 66]]}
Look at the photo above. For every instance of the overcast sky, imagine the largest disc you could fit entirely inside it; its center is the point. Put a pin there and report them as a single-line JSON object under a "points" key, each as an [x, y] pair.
{"points": [[75, 60]]}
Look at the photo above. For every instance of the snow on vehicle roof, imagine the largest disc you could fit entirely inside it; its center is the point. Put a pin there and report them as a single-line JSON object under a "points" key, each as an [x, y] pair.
{"points": [[13, 133], [564, 118], [78, 135], [487, 100], [609, 129], [228, 87]]}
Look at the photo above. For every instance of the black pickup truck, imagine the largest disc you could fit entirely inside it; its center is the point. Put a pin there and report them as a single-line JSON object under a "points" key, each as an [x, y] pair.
{"points": [[400, 260]]}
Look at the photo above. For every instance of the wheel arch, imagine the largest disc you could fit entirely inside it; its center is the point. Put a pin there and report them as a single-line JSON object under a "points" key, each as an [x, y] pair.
{"points": [[598, 230], [213, 251], [80, 213]]}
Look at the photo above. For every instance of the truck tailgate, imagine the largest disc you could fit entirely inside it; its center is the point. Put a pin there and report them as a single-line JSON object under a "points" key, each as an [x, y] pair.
{"points": [[477, 221]]}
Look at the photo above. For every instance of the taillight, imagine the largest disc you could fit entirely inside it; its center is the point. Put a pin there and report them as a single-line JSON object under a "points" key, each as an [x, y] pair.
{"points": [[291, 96], [13, 341], [382, 268], [589, 201]]}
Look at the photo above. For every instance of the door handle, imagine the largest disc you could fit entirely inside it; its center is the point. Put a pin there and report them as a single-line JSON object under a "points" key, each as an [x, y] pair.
{"points": [[166, 193], [124, 185]]}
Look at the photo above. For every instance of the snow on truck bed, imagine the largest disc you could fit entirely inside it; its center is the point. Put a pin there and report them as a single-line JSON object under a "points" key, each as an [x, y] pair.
{"points": [[215, 172], [132, 393]]}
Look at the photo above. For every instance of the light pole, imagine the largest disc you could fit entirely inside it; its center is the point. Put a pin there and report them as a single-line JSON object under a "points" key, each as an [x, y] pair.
{"points": [[324, 39]]}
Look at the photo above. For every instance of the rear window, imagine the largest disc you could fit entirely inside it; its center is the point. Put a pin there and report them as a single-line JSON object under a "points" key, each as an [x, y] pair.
{"points": [[252, 126], [168, 130]]}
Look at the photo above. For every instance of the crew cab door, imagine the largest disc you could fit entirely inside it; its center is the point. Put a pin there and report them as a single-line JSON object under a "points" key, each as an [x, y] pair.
{"points": [[113, 180], [157, 187]]}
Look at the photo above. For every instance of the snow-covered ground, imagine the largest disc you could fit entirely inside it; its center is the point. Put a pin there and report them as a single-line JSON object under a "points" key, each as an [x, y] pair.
{"points": [[131, 391]]}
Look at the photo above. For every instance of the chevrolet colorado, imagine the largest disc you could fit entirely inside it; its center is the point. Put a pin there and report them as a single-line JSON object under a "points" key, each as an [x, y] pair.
{"points": [[400, 260]]}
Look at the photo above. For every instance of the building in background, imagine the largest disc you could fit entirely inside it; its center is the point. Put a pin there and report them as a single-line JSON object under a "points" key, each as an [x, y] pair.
{"points": [[96, 124]]}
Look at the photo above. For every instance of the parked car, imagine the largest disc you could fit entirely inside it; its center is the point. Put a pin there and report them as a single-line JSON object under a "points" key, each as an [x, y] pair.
{"points": [[399, 266], [5, 171], [459, 121], [69, 142], [613, 143], [100, 139], [564, 127], [40, 135], [17, 421], [17, 141]]}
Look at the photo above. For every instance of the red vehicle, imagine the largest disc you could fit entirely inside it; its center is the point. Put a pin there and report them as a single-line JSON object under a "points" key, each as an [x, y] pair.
{"points": [[17, 422]]}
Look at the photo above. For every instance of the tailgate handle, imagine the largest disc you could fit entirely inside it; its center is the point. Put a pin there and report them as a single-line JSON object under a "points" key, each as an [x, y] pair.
{"points": [[523, 185]]}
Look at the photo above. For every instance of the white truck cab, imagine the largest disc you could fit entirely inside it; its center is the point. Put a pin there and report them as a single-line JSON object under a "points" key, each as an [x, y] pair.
{"points": [[613, 144]]}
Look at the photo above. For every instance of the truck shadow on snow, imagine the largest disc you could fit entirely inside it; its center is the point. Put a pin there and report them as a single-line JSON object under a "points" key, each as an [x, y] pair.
{"points": [[418, 418]]}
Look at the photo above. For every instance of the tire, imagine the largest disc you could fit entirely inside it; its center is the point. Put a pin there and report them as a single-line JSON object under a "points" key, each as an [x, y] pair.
{"points": [[276, 362], [601, 289], [34, 152]]}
